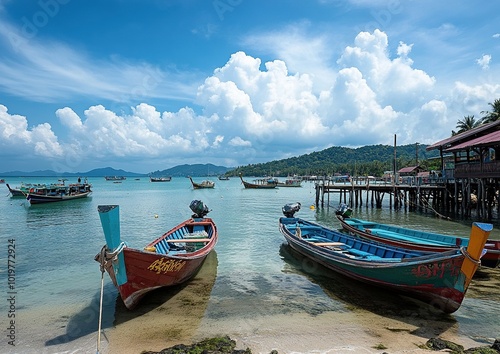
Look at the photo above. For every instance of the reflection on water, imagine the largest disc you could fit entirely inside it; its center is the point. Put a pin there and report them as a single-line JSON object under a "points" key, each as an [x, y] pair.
{"points": [[58, 213]]}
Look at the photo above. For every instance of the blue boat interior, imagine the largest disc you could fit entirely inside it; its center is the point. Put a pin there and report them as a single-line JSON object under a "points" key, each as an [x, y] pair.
{"points": [[346, 245], [191, 232], [410, 235]]}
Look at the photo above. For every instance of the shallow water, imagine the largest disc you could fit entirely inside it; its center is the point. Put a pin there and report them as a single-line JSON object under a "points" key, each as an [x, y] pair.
{"points": [[57, 281]]}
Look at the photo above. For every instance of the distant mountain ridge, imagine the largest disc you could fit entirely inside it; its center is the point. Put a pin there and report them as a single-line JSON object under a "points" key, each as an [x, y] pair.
{"points": [[197, 170]]}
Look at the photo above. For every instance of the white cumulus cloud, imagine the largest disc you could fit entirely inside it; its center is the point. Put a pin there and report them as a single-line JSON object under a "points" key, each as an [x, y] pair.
{"points": [[484, 61]]}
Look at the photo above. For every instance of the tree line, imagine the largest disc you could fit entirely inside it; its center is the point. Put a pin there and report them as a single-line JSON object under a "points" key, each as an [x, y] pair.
{"points": [[371, 160]]}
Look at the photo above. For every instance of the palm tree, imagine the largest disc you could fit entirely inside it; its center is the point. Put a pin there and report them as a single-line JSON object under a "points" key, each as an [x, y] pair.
{"points": [[468, 123], [494, 114]]}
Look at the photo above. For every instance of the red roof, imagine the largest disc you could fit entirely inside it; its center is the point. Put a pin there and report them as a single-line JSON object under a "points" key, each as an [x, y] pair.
{"points": [[409, 169], [485, 140], [460, 138]]}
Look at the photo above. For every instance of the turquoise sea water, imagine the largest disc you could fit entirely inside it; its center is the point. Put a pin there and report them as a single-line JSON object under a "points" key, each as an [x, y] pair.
{"points": [[55, 293]]}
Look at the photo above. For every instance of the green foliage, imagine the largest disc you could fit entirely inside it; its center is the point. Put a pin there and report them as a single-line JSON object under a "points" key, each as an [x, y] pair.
{"points": [[367, 160], [468, 123], [494, 114]]}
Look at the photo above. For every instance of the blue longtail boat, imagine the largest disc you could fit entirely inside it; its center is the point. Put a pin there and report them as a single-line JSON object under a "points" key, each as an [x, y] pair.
{"points": [[171, 259], [439, 279], [413, 239]]}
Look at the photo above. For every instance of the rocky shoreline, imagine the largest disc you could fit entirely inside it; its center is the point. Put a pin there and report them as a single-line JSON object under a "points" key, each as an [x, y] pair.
{"points": [[225, 345]]}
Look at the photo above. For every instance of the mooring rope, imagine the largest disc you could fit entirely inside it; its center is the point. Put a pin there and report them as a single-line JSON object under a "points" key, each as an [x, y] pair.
{"points": [[113, 255], [102, 262], [104, 257], [424, 201], [466, 254], [427, 205]]}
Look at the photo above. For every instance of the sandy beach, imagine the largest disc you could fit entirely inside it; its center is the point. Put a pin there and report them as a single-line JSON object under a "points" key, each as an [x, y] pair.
{"points": [[181, 319], [326, 333]]}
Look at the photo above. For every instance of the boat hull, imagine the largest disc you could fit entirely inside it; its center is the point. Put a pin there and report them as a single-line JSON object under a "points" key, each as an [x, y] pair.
{"points": [[17, 192], [149, 271], [160, 179], [200, 186], [204, 185], [439, 279], [43, 199], [257, 186], [266, 185], [417, 240]]}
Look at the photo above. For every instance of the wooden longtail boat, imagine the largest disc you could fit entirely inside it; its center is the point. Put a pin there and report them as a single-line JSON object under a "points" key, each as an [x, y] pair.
{"points": [[291, 182], [203, 185], [413, 239], [440, 279], [160, 179], [171, 259], [262, 183], [115, 178], [58, 193], [24, 188]]}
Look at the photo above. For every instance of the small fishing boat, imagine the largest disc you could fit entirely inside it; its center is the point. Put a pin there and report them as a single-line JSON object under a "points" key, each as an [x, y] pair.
{"points": [[439, 279], [58, 192], [171, 259], [261, 183], [160, 179], [412, 239], [115, 178], [223, 178], [291, 182], [203, 185]]}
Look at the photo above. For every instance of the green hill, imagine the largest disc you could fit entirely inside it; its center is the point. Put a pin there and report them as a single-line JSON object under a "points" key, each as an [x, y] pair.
{"points": [[366, 160], [196, 170]]}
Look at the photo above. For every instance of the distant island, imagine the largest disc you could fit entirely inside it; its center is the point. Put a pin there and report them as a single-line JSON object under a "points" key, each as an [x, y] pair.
{"points": [[196, 170]]}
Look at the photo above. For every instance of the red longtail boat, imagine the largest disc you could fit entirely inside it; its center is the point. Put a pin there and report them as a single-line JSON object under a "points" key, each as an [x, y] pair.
{"points": [[171, 259]]}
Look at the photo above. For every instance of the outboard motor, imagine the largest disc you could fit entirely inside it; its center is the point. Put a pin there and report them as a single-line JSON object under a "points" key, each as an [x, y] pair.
{"points": [[290, 209], [199, 209], [344, 211]]}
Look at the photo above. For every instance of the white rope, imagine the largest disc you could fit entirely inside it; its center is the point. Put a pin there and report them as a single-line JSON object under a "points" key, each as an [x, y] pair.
{"points": [[103, 252], [116, 252], [104, 257], [466, 254]]}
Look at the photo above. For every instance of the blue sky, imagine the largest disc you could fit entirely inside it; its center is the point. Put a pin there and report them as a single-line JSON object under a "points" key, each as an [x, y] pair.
{"points": [[147, 85]]}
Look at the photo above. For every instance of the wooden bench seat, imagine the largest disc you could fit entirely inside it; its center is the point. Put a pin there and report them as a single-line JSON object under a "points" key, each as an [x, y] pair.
{"points": [[328, 243], [190, 240]]}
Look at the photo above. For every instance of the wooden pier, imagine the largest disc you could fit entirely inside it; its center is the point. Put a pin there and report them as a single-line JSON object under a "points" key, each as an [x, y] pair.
{"points": [[459, 197]]}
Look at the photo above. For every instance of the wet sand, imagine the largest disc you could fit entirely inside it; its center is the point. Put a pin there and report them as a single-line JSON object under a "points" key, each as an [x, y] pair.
{"points": [[164, 318], [186, 318], [331, 332]]}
